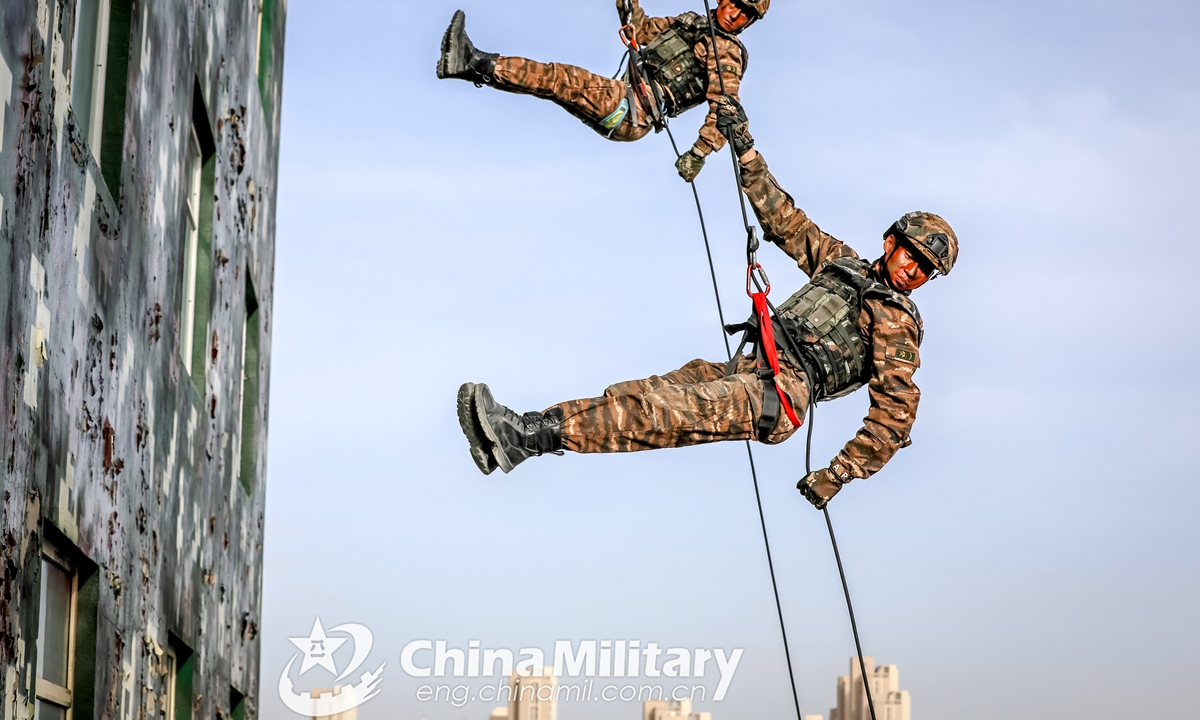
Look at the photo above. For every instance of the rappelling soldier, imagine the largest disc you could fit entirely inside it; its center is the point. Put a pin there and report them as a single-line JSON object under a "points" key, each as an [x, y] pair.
{"points": [[680, 70], [853, 324]]}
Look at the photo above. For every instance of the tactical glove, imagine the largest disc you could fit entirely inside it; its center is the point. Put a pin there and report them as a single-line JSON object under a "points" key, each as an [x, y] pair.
{"points": [[734, 125], [689, 165], [819, 487], [626, 10]]}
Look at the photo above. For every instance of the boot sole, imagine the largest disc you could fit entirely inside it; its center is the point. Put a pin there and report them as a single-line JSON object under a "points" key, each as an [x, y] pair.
{"points": [[448, 46], [506, 465], [480, 451]]}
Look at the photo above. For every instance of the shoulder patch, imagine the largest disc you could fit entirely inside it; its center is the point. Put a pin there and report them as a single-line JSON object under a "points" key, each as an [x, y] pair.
{"points": [[903, 355], [731, 69]]}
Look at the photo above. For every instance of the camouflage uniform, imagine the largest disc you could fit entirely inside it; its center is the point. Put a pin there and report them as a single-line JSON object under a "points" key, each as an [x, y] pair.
{"points": [[592, 98], [698, 403], [895, 337]]}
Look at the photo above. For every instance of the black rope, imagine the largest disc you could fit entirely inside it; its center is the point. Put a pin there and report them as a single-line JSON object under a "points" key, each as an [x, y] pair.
{"points": [[849, 606], [787, 653], [712, 271], [862, 664], [751, 248], [737, 174]]}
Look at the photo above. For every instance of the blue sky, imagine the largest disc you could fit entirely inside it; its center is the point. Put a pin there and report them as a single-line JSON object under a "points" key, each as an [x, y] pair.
{"points": [[1034, 554]]}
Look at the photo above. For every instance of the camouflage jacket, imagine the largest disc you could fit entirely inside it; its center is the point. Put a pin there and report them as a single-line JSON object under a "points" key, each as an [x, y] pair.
{"points": [[894, 336], [729, 58]]}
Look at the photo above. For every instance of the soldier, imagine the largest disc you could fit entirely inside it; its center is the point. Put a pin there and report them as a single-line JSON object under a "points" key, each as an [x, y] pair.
{"points": [[853, 324], [682, 74]]}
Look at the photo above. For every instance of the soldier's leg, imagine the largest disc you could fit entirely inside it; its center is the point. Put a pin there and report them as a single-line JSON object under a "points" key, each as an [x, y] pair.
{"points": [[595, 99], [693, 405], [696, 404], [696, 371], [599, 101]]}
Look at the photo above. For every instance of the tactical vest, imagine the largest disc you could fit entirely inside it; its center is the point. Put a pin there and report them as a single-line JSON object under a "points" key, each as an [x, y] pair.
{"points": [[670, 60], [821, 320]]}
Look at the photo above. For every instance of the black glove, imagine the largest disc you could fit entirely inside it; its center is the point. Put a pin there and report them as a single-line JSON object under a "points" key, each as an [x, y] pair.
{"points": [[689, 165], [819, 487], [734, 125]]}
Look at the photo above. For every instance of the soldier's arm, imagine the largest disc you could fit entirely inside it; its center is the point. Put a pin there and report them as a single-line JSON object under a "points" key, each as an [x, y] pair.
{"points": [[785, 224], [894, 396], [647, 27], [727, 68]]}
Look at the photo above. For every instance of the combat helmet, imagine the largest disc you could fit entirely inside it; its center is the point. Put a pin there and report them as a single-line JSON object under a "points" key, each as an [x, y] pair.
{"points": [[931, 236], [757, 8]]}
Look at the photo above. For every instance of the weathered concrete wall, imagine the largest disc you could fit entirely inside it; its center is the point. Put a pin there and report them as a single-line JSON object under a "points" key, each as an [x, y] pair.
{"points": [[105, 442]]}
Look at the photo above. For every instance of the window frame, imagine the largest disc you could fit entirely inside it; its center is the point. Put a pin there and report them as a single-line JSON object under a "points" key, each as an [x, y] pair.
{"points": [[45, 690], [192, 174], [93, 115], [249, 389], [171, 658]]}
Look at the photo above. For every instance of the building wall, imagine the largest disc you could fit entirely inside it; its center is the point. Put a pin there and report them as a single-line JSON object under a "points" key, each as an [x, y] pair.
{"points": [[109, 448]]}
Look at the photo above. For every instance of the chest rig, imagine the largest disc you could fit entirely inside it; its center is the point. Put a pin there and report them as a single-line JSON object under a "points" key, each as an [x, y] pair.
{"points": [[670, 60], [821, 321]]}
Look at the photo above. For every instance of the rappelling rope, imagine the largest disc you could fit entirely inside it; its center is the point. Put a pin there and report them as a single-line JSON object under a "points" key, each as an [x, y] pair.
{"points": [[749, 449], [751, 253], [862, 665]]}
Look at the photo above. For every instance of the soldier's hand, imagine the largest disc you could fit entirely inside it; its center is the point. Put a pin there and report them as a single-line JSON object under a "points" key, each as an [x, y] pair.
{"points": [[734, 125], [689, 165], [625, 10], [819, 487]]}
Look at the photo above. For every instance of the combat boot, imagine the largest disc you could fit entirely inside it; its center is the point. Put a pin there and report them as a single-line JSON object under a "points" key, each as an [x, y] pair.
{"points": [[511, 438], [459, 57], [481, 447]]}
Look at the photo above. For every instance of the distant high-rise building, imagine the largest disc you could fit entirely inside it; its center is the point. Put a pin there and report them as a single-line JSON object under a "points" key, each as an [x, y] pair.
{"points": [[499, 713], [891, 703], [351, 714], [534, 697], [672, 710]]}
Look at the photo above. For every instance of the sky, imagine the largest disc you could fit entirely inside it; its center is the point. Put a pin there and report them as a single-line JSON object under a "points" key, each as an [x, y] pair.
{"points": [[1034, 554]]}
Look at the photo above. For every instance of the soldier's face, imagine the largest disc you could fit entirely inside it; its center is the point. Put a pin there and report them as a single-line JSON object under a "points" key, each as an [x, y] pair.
{"points": [[731, 17], [905, 268]]}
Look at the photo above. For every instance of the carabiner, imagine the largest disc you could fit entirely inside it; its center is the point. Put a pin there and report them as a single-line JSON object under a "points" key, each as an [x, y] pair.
{"points": [[752, 243], [757, 276], [629, 40]]}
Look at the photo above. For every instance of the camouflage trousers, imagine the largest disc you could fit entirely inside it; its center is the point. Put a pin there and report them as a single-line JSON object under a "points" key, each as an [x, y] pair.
{"points": [[696, 404], [587, 96]]}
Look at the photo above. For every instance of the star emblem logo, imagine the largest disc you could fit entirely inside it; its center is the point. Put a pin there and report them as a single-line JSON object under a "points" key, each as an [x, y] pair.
{"points": [[318, 649]]}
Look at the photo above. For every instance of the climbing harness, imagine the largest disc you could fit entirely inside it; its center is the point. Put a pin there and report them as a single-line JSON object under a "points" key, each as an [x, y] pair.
{"points": [[614, 120], [761, 331], [758, 287], [643, 91]]}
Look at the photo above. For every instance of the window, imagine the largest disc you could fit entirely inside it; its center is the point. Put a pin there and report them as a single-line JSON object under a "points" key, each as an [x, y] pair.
{"points": [[97, 68], [68, 597], [266, 25], [56, 637], [237, 704], [197, 183], [249, 388], [89, 56], [179, 661]]}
